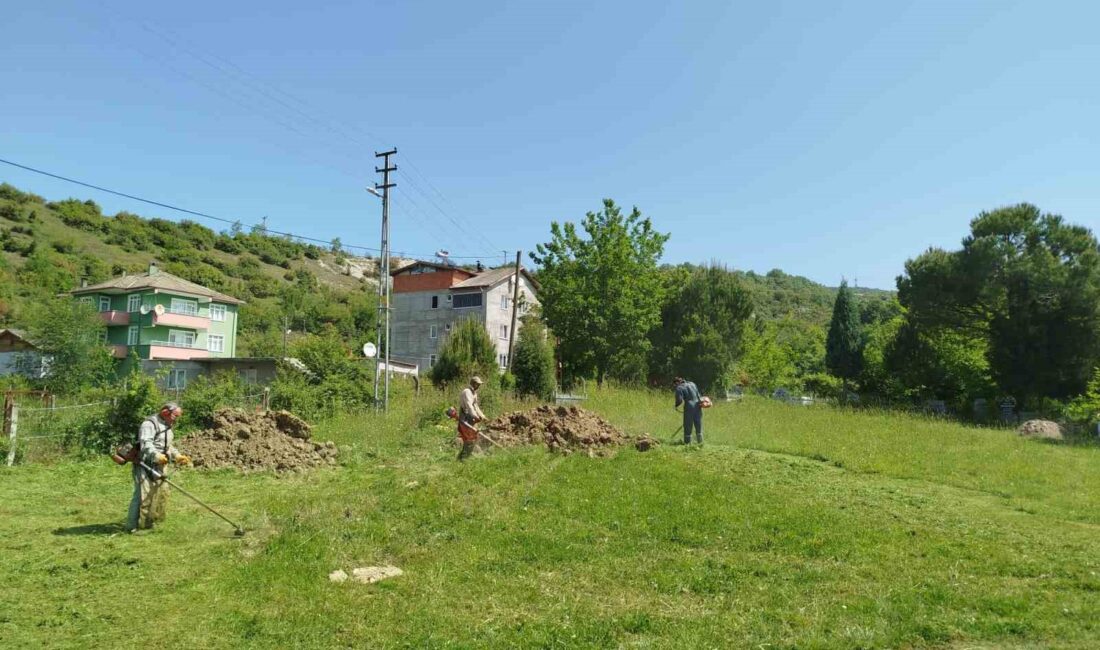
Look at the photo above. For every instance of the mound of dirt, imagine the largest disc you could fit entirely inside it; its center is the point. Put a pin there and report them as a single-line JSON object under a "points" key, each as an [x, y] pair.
{"points": [[562, 429], [276, 440], [1041, 429]]}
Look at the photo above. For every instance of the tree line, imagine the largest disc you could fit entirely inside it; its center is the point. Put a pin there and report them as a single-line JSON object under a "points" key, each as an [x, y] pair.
{"points": [[1015, 312]]}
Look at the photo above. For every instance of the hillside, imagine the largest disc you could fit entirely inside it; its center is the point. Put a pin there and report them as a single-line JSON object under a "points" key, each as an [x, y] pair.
{"points": [[48, 247]]}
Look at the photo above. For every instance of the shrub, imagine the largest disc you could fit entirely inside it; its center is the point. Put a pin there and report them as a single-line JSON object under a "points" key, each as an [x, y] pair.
{"points": [[466, 352], [533, 362], [136, 399], [206, 394]]}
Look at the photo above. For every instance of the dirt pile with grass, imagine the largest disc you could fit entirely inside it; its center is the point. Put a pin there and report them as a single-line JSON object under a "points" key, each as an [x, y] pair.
{"points": [[562, 429], [276, 440]]}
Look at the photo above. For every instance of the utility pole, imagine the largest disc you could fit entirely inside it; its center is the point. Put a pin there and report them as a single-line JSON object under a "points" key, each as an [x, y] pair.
{"points": [[515, 309], [286, 332], [384, 275]]}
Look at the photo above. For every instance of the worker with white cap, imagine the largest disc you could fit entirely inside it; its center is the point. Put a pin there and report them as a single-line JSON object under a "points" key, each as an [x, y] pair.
{"points": [[469, 414]]}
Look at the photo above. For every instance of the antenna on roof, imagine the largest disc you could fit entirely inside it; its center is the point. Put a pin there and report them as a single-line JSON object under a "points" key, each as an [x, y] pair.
{"points": [[444, 257]]}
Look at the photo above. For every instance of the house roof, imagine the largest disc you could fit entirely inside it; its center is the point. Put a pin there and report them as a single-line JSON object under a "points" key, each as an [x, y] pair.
{"points": [[155, 279], [491, 278], [434, 265], [14, 333]]}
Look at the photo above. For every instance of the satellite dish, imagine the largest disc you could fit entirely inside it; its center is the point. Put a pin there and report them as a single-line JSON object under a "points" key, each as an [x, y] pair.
{"points": [[144, 309], [159, 309], [442, 253], [369, 350]]}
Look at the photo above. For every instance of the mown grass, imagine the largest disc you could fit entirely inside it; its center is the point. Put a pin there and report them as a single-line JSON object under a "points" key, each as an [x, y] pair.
{"points": [[791, 528]]}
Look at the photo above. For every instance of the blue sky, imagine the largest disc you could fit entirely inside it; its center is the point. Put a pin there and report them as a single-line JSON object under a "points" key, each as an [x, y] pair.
{"points": [[826, 139]]}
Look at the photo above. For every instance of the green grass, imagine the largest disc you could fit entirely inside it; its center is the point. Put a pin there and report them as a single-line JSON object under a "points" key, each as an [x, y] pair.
{"points": [[792, 528]]}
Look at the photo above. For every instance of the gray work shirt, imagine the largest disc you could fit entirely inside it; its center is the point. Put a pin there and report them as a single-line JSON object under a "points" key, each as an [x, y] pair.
{"points": [[155, 437]]}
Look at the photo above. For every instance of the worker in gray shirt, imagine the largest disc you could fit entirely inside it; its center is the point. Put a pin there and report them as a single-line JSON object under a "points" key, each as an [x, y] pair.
{"points": [[688, 395], [155, 449]]}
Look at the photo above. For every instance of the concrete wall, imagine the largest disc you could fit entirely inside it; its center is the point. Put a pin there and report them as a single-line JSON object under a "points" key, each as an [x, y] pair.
{"points": [[496, 316]]}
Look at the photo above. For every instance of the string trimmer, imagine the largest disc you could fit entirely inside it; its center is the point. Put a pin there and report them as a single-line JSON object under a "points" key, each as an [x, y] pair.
{"points": [[161, 477]]}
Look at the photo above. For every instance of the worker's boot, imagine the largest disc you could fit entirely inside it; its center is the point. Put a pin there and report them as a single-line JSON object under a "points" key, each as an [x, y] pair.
{"points": [[467, 449]]}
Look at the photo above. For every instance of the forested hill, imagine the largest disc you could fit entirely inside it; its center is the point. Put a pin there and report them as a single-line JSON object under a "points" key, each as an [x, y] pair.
{"points": [[777, 295], [47, 247]]}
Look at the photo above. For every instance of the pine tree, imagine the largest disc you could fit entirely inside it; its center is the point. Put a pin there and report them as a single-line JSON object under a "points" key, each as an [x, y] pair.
{"points": [[844, 344]]}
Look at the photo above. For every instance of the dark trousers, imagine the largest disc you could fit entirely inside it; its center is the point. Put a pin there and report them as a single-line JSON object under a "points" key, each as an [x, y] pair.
{"points": [[467, 449], [693, 417]]}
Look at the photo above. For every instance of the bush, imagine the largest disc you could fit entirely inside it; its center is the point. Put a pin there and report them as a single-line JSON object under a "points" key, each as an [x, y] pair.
{"points": [[206, 394], [466, 352], [533, 362], [824, 385], [137, 398]]}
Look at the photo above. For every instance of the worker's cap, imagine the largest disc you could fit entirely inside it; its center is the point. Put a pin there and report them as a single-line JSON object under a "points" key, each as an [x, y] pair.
{"points": [[476, 381]]}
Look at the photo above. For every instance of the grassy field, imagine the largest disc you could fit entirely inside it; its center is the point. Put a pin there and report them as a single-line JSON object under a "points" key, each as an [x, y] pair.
{"points": [[792, 528]]}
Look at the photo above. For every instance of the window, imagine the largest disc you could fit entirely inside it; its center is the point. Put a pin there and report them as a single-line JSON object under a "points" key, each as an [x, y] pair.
{"points": [[215, 343], [88, 300], [183, 306], [217, 312], [503, 361], [103, 337], [504, 301], [449, 298], [132, 335], [464, 300], [133, 303], [104, 303], [177, 379], [435, 302], [447, 328], [181, 339], [250, 376], [431, 360], [431, 331], [504, 331]]}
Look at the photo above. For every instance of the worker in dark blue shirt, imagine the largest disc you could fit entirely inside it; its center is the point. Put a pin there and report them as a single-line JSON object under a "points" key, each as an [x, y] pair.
{"points": [[688, 395]]}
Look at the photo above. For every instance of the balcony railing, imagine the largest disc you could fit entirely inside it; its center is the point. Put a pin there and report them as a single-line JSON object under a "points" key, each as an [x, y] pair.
{"points": [[176, 344]]}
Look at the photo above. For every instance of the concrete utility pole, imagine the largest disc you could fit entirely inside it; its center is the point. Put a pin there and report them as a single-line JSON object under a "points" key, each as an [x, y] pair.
{"points": [[515, 308], [384, 275]]}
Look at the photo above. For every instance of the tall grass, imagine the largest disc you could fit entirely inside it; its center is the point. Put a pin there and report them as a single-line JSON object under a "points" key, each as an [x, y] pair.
{"points": [[790, 528]]}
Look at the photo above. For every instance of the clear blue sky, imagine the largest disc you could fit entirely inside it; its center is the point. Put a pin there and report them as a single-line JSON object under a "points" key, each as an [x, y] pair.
{"points": [[824, 140]]}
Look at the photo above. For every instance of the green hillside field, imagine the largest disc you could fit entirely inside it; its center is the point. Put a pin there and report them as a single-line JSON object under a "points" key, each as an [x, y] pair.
{"points": [[793, 527]]}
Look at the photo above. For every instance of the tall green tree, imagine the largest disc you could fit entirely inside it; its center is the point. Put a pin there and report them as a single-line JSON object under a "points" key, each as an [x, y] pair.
{"points": [[466, 352], [68, 333], [602, 294], [701, 329], [1027, 285], [533, 360], [844, 343]]}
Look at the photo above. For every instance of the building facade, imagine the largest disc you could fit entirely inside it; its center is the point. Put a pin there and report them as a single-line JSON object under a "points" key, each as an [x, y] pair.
{"points": [[19, 356], [166, 321], [430, 299]]}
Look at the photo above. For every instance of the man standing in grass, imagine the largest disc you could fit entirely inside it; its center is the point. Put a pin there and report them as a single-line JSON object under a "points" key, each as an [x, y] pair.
{"points": [[688, 395], [155, 449], [469, 414]]}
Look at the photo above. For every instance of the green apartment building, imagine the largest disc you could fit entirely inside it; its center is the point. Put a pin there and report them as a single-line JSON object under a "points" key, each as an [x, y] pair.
{"points": [[169, 322]]}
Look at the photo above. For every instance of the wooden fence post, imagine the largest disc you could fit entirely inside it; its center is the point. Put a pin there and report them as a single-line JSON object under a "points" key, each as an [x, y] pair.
{"points": [[12, 418], [267, 399]]}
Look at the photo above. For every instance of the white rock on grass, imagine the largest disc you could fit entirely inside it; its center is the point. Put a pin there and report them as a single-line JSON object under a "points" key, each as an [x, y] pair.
{"points": [[367, 575], [338, 576]]}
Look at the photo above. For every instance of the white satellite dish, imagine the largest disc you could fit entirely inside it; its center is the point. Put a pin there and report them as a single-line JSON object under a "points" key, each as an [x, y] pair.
{"points": [[369, 350], [144, 309], [159, 309]]}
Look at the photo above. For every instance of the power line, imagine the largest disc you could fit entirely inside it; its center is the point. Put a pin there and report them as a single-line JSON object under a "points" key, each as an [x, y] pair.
{"points": [[336, 127], [183, 210]]}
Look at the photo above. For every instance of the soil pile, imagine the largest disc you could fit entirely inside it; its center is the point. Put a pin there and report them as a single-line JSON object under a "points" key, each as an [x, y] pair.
{"points": [[276, 440], [1041, 429], [562, 429]]}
